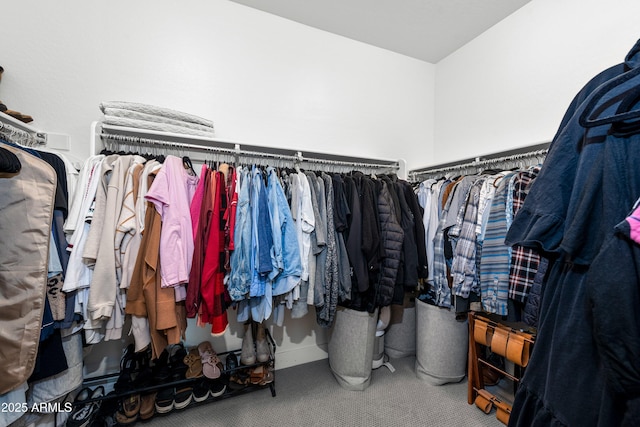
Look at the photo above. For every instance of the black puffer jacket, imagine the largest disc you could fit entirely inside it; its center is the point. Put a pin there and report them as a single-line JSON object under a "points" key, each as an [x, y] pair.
{"points": [[392, 238]]}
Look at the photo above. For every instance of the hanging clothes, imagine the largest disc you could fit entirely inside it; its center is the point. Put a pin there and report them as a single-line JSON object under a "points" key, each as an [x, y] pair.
{"points": [[146, 297], [496, 256], [524, 261], [392, 237], [583, 191], [213, 307], [171, 193], [239, 280]]}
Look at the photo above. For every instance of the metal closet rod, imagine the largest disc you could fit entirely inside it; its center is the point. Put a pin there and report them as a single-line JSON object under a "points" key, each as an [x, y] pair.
{"points": [[540, 150], [296, 158]]}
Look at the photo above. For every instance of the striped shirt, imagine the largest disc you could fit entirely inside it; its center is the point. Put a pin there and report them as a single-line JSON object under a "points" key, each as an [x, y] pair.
{"points": [[495, 258]]}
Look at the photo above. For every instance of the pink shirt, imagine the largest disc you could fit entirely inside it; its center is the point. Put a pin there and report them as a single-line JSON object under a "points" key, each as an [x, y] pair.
{"points": [[634, 224], [171, 193]]}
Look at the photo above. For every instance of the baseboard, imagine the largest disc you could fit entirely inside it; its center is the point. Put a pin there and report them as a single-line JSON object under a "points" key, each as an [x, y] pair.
{"points": [[300, 355]]}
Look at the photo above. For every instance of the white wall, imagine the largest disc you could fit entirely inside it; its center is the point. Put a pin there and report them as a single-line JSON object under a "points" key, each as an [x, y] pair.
{"points": [[263, 80], [510, 87]]}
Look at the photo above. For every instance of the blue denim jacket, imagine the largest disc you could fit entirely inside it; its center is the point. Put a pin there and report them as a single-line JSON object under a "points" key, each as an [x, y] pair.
{"points": [[286, 250]]}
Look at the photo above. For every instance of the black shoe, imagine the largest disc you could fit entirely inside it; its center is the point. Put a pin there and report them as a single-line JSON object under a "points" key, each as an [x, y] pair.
{"points": [[231, 361], [165, 400], [201, 390], [83, 414], [217, 387], [183, 392], [128, 370]]}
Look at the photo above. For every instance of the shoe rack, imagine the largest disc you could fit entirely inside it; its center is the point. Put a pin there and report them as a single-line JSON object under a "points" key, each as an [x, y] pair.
{"points": [[513, 341], [238, 379]]}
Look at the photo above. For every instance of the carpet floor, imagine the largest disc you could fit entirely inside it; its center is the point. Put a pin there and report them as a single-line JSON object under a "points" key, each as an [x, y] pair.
{"points": [[308, 395]]}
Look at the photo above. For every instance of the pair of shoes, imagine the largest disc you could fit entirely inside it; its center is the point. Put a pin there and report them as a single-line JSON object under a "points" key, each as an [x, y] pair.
{"points": [[258, 350], [86, 407]]}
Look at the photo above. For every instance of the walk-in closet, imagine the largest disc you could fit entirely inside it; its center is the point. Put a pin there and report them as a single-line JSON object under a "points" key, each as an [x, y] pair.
{"points": [[337, 213]]}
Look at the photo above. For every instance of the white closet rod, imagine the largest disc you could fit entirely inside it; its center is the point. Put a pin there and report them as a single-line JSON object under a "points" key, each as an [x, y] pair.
{"points": [[296, 159], [186, 146], [479, 162]]}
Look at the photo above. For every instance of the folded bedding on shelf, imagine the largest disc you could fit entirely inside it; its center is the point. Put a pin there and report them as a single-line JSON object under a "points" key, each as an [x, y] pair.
{"points": [[156, 111], [129, 114], [163, 127]]}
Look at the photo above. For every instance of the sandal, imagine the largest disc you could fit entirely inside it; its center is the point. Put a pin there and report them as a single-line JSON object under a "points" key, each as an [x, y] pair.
{"points": [[122, 418], [268, 376], [131, 406], [209, 360], [194, 362], [257, 375], [240, 377]]}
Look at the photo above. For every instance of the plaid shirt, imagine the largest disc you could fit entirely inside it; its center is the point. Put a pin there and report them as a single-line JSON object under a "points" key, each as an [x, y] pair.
{"points": [[495, 258], [465, 274], [440, 282], [524, 261]]}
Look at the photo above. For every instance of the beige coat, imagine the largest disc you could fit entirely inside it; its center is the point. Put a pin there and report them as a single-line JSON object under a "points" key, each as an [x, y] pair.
{"points": [[26, 213]]}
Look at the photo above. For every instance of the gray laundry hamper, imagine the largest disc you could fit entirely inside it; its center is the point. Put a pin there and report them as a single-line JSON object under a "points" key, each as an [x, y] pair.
{"points": [[442, 343], [400, 337], [351, 342]]}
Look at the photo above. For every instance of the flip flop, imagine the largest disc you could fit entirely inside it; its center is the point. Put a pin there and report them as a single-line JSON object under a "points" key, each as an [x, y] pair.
{"points": [[209, 360], [194, 362]]}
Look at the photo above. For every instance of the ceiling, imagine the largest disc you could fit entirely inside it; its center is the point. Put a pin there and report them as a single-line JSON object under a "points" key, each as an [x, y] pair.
{"points": [[428, 30]]}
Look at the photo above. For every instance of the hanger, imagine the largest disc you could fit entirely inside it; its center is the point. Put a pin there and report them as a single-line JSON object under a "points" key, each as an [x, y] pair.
{"points": [[628, 79]]}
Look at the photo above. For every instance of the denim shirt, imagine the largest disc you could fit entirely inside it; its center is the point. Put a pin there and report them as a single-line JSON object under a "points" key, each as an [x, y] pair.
{"points": [[260, 235], [285, 247], [240, 276]]}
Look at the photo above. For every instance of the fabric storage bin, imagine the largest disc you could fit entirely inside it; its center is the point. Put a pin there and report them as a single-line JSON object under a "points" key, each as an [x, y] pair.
{"points": [[400, 337], [442, 343], [351, 342]]}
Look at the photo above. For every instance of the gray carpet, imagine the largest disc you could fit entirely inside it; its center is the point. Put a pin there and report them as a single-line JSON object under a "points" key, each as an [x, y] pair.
{"points": [[308, 395]]}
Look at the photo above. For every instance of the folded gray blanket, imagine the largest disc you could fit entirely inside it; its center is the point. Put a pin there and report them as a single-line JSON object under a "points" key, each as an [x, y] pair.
{"points": [[129, 114], [156, 111], [163, 127]]}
